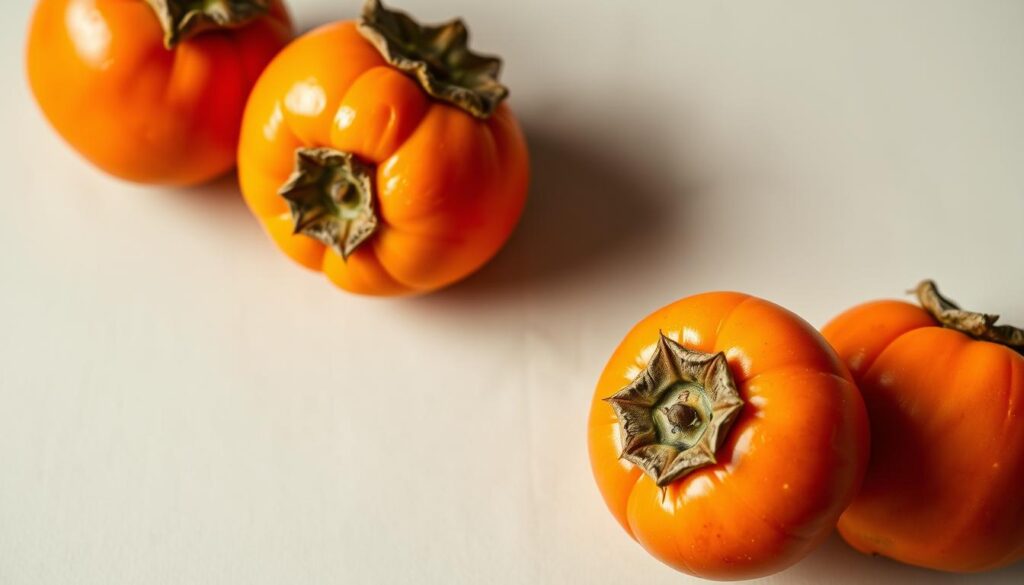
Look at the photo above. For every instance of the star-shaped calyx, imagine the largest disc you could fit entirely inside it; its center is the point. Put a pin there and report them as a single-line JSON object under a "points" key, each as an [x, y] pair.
{"points": [[677, 412], [182, 19], [438, 56], [331, 198]]}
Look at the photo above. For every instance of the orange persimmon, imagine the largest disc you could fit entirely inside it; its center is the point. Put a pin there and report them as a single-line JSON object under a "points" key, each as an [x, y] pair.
{"points": [[944, 390], [381, 153], [726, 436], [152, 91]]}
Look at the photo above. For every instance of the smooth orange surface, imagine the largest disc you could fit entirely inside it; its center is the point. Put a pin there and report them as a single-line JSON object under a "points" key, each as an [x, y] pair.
{"points": [[944, 488], [792, 461], [101, 74], [450, 188]]}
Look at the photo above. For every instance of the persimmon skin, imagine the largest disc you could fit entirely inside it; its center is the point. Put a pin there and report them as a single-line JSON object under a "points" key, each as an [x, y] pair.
{"points": [[943, 489], [791, 463], [450, 187], [102, 77]]}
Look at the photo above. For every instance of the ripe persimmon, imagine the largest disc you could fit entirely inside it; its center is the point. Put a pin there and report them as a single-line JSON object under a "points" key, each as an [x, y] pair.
{"points": [[726, 436], [381, 153], [152, 91], [944, 390]]}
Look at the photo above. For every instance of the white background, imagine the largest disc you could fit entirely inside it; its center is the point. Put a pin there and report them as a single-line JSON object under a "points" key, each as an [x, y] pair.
{"points": [[181, 404]]}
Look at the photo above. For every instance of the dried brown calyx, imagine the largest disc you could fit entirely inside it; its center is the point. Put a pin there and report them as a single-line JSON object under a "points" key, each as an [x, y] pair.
{"points": [[677, 412], [978, 325], [331, 197], [438, 56], [182, 19]]}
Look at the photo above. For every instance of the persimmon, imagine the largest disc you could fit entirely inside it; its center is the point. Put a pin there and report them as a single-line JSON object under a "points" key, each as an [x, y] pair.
{"points": [[726, 437], [382, 153], [944, 390], [152, 91]]}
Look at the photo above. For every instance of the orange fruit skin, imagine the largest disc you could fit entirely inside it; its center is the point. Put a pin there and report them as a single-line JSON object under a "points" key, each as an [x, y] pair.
{"points": [[791, 463], [102, 77], [943, 490], [450, 187]]}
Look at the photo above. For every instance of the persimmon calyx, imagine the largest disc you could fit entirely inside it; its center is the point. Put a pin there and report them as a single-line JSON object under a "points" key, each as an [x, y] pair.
{"points": [[437, 56], [978, 325], [182, 19], [677, 412], [331, 197]]}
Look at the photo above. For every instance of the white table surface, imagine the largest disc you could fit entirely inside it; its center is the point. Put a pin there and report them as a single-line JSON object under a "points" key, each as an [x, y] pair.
{"points": [[181, 404]]}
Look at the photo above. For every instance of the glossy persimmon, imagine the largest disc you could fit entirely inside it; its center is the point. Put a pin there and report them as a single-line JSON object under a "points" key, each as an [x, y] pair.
{"points": [[381, 153], [726, 436], [944, 390], [152, 91]]}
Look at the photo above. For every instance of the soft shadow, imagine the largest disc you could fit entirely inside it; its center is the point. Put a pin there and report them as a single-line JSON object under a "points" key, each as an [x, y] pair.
{"points": [[223, 187], [838, 564], [591, 208], [216, 206], [222, 193]]}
